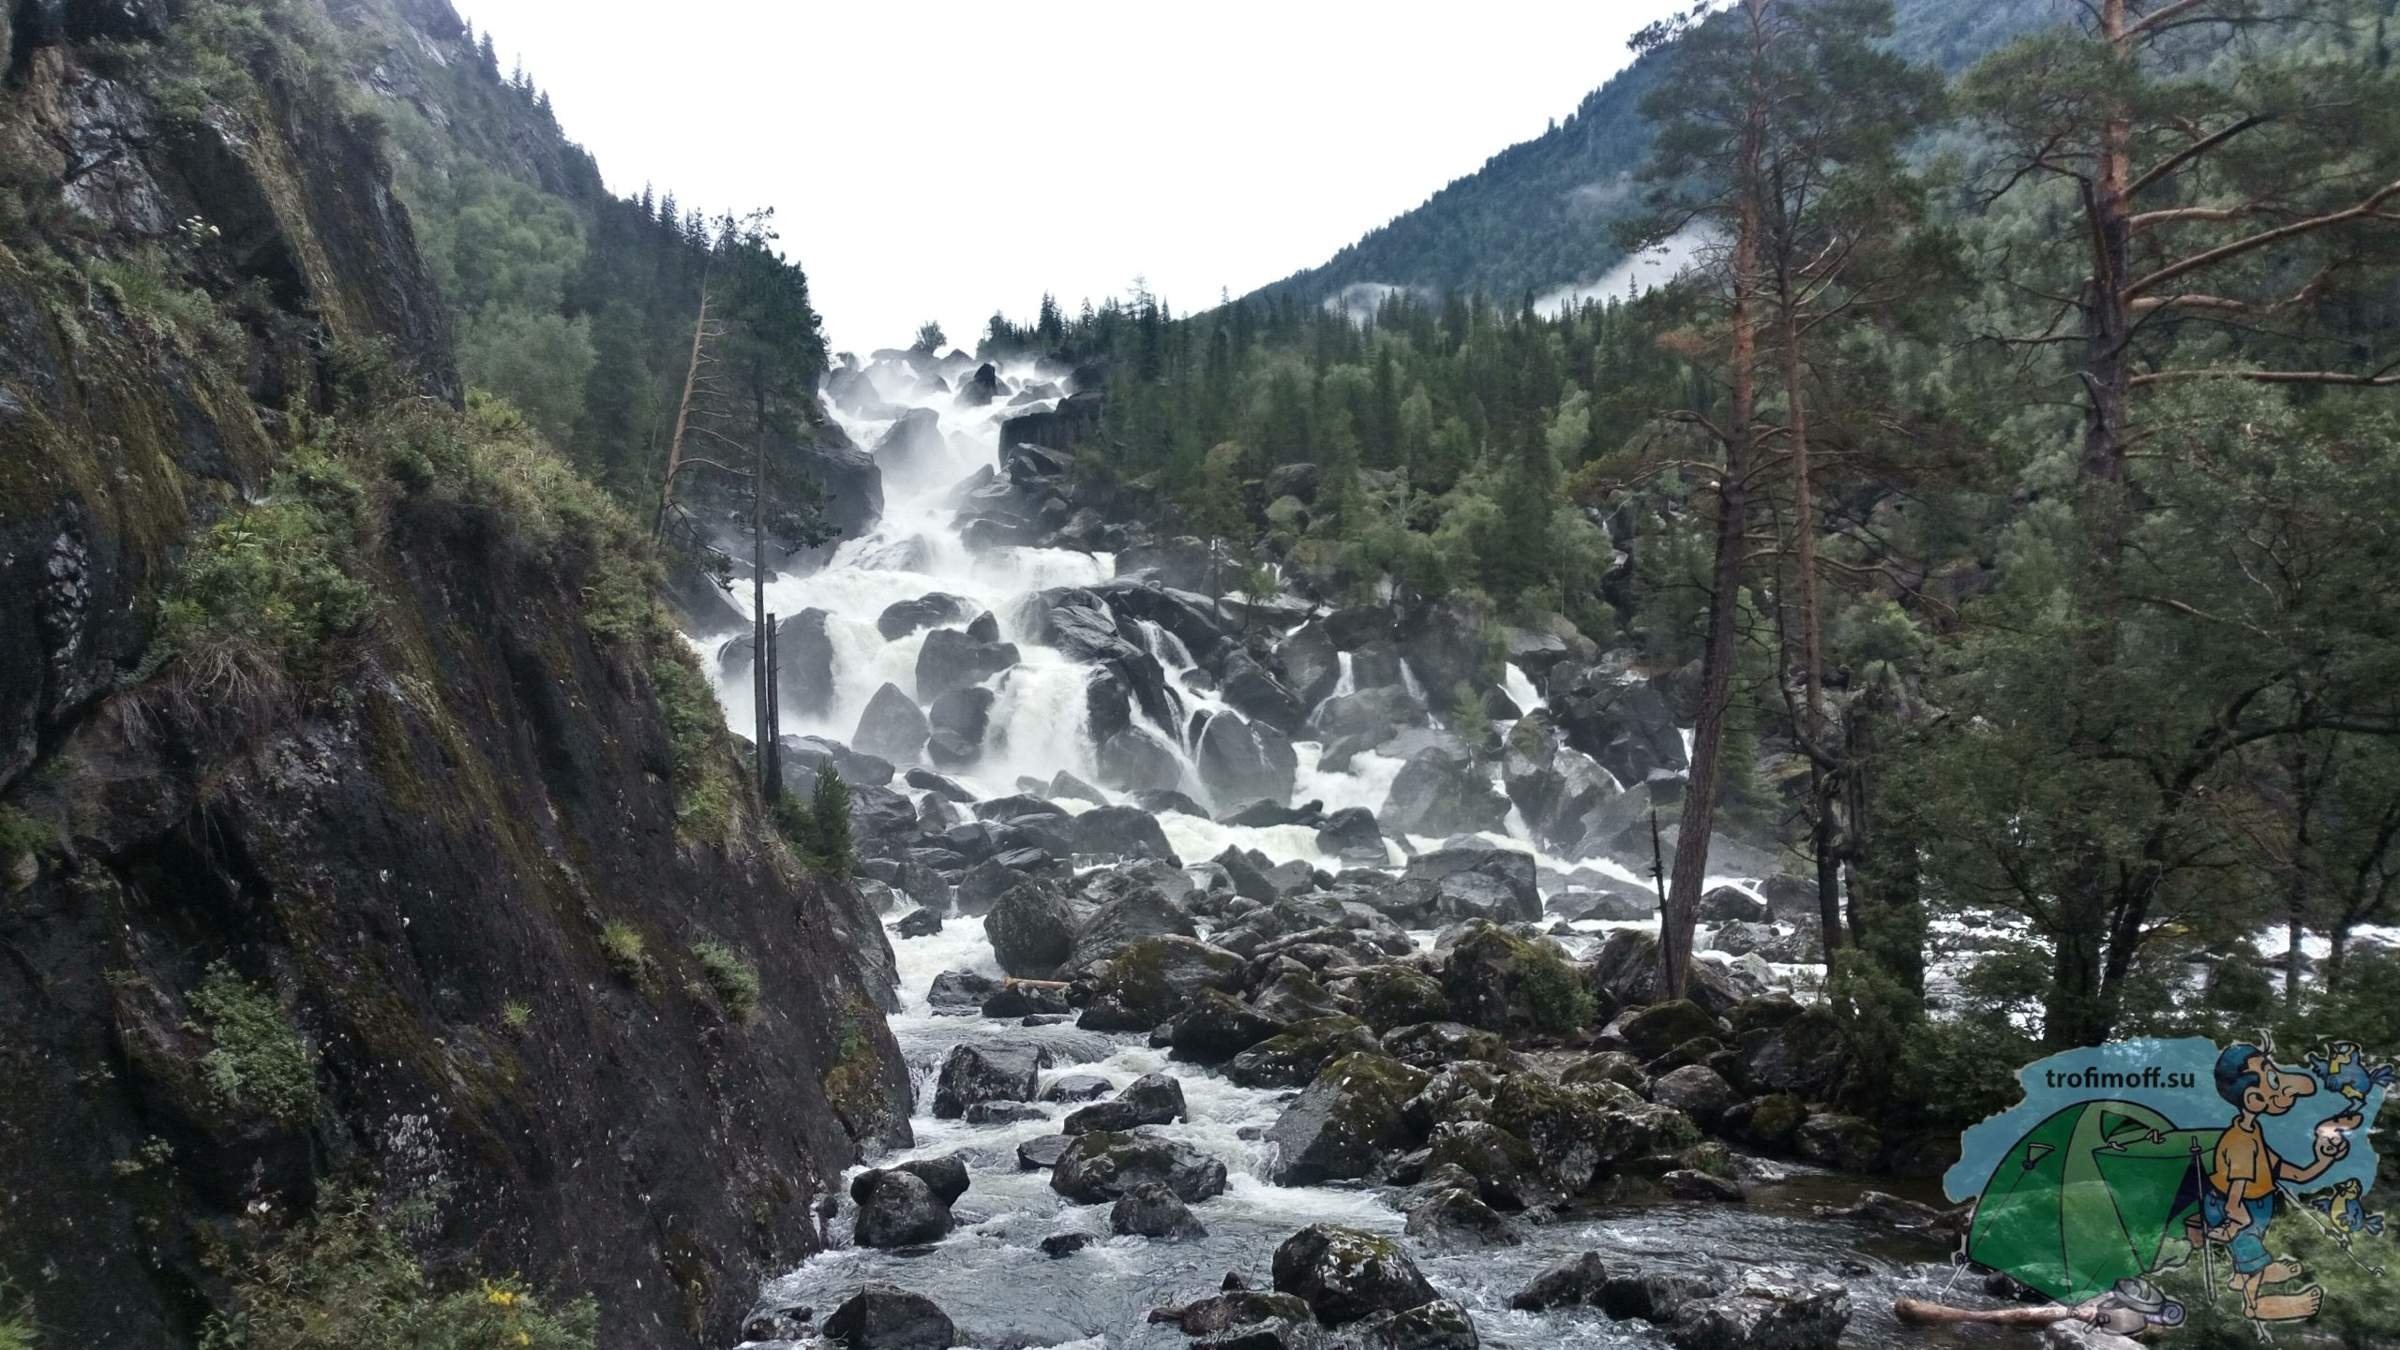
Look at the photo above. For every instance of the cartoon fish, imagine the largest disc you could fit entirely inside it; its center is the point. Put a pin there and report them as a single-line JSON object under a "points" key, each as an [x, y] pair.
{"points": [[2342, 1068], [2341, 1202]]}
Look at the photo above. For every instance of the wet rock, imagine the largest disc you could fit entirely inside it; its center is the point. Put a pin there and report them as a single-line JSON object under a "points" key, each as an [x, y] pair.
{"points": [[1890, 1211], [1002, 1113], [1442, 792], [1295, 1056], [892, 726], [1627, 727], [1457, 1220], [1765, 1312], [1805, 1055], [1571, 1281], [1654, 1296], [1507, 1173], [1216, 1027], [1731, 904], [1242, 761], [1099, 1167], [1345, 1121], [1255, 693], [960, 992], [1035, 1155], [1161, 801], [1076, 1087], [1234, 1308], [1151, 1210], [1152, 980], [1696, 1090], [1439, 1325], [886, 1317], [959, 720], [1344, 1274], [951, 659], [1430, 1045], [1353, 835], [1653, 1031], [926, 780], [1608, 1066], [1690, 1183], [1455, 1093], [1032, 930], [1135, 759], [898, 1209], [1152, 1099], [1067, 787], [1500, 981], [987, 1073], [919, 923], [1843, 1142], [1624, 973], [1580, 1131], [1480, 882], [1555, 786], [1059, 1245], [1391, 996], [1120, 832]]}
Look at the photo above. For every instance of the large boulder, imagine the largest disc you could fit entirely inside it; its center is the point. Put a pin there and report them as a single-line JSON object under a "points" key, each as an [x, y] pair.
{"points": [[1312, 665], [1344, 1274], [1152, 1099], [1501, 981], [1297, 1054], [1507, 1172], [1120, 832], [1151, 1210], [1696, 1090], [911, 445], [1391, 996], [1441, 792], [1101, 1166], [1353, 835], [1370, 715], [1624, 974], [1479, 881], [886, 1317], [1805, 1055], [1032, 931], [1653, 1031], [1453, 1219], [1255, 693], [1766, 1311], [953, 659], [1581, 1131], [898, 1209], [1152, 980], [1556, 787], [1127, 904], [1241, 761], [987, 1073], [1216, 1027], [1622, 723], [1430, 1045], [958, 720], [1571, 1281], [892, 726], [1349, 1117], [1136, 758]]}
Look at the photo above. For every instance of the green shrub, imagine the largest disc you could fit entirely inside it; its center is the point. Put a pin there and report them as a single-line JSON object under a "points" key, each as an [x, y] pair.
{"points": [[819, 828], [265, 596], [145, 283], [347, 1281], [22, 839], [516, 1014], [259, 1060], [625, 949], [731, 975], [16, 1319], [695, 739]]}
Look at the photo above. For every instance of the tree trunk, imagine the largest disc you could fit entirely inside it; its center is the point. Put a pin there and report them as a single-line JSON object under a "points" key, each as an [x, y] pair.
{"points": [[2074, 1013], [683, 421], [1724, 605], [1823, 845]]}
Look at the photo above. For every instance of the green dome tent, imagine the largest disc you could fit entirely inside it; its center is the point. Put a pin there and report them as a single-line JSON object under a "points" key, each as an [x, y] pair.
{"points": [[2085, 1199]]}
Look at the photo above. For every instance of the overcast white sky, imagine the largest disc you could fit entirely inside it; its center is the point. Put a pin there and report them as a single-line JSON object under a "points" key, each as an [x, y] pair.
{"points": [[929, 159]]}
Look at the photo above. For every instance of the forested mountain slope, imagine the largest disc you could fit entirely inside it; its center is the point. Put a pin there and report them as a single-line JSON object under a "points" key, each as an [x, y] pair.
{"points": [[1540, 216], [382, 905]]}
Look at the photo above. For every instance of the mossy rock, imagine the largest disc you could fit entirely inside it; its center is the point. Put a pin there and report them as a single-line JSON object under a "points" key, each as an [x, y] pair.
{"points": [[1294, 1057], [1151, 981], [1392, 996], [1653, 1031], [1348, 1119]]}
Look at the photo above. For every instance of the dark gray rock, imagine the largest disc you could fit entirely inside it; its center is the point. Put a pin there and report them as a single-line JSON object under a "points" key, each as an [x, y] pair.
{"points": [[951, 659], [1216, 1027], [1035, 1155], [919, 923], [1032, 930], [1296, 1055], [1353, 835], [1121, 832], [1059, 1245], [1345, 1121], [1152, 1099], [987, 1073], [1344, 1274], [1099, 1167], [1442, 792], [1242, 761], [1766, 1311], [1151, 1210], [886, 1317], [960, 991], [1454, 1219], [892, 726], [1571, 1281], [1136, 759]]}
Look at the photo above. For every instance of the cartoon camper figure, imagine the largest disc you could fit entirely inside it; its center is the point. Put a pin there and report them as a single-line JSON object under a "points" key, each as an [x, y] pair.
{"points": [[2125, 1172]]}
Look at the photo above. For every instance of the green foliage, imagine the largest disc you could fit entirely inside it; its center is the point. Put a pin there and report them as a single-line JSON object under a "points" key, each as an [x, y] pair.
{"points": [[731, 975], [516, 1014], [267, 594], [704, 785], [259, 1060], [144, 282], [819, 828], [347, 1281], [625, 949], [21, 837], [17, 1328]]}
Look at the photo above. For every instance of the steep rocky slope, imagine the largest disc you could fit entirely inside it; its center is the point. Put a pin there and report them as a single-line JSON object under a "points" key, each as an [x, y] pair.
{"points": [[361, 822]]}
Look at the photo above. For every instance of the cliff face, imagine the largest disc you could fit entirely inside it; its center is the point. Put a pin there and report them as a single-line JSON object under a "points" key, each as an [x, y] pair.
{"points": [[485, 853]]}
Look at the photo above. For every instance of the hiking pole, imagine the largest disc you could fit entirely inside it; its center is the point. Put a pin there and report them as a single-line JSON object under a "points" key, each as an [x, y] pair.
{"points": [[2208, 1251]]}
